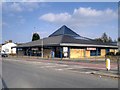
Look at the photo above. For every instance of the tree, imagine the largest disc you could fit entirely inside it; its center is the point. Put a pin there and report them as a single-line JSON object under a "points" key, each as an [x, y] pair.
{"points": [[98, 39], [104, 37], [35, 36], [110, 39]]}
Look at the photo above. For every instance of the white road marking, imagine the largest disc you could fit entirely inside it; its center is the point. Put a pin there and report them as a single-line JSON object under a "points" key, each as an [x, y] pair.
{"points": [[63, 65], [49, 66], [49, 63], [59, 69], [68, 68]]}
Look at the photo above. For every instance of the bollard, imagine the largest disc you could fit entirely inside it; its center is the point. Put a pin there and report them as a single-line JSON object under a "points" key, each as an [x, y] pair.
{"points": [[108, 64]]}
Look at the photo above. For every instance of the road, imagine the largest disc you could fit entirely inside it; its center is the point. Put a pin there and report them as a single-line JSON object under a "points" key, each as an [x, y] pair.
{"points": [[27, 74]]}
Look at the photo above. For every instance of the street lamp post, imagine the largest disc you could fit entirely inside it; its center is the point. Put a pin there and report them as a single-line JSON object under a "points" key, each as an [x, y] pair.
{"points": [[118, 62], [42, 47]]}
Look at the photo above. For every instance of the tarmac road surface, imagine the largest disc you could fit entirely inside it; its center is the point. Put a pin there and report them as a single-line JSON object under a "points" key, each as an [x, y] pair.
{"points": [[26, 74]]}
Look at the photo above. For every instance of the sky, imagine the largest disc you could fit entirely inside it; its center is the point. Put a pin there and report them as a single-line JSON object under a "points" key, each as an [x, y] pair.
{"points": [[89, 19]]}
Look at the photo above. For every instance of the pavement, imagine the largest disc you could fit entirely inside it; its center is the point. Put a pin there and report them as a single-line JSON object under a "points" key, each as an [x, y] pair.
{"points": [[92, 66]]}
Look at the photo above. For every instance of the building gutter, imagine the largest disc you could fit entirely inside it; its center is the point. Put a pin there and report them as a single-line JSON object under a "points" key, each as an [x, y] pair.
{"points": [[87, 45]]}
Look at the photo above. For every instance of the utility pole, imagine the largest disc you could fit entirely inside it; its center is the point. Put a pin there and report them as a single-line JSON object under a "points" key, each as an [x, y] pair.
{"points": [[42, 48], [118, 58], [118, 42]]}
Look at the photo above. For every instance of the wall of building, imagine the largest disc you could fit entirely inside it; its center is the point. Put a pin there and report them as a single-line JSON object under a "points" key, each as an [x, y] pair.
{"points": [[76, 53], [7, 48], [112, 50], [47, 53], [21, 53], [81, 53], [0, 47], [116, 50], [87, 53], [103, 52]]}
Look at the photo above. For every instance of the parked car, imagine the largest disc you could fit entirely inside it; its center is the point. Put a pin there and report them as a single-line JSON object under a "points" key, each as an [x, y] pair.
{"points": [[4, 55]]}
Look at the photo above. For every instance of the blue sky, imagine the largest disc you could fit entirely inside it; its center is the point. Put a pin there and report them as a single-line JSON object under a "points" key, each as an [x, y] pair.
{"points": [[20, 20]]}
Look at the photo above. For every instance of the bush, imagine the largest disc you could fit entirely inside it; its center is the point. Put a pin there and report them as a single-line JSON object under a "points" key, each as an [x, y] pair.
{"points": [[110, 53], [118, 53]]}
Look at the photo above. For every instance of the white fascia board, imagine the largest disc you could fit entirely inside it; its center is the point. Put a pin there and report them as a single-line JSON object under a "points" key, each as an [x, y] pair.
{"points": [[87, 45]]}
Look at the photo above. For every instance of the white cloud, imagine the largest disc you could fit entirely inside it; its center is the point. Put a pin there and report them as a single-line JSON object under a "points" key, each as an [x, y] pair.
{"points": [[86, 12], [81, 17], [19, 6], [16, 7], [62, 17], [30, 6]]}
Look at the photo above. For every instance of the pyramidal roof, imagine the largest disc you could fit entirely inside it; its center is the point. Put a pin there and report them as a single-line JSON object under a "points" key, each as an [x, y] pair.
{"points": [[64, 30]]}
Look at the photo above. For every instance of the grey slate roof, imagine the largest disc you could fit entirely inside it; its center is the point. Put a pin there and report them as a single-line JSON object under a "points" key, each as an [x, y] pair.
{"points": [[65, 36], [50, 41], [64, 30], [72, 40], [58, 40]]}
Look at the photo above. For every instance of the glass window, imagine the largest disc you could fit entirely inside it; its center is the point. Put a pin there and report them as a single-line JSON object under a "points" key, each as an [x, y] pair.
{"points": [[96, 52], [93, 53], [107, 50]]}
